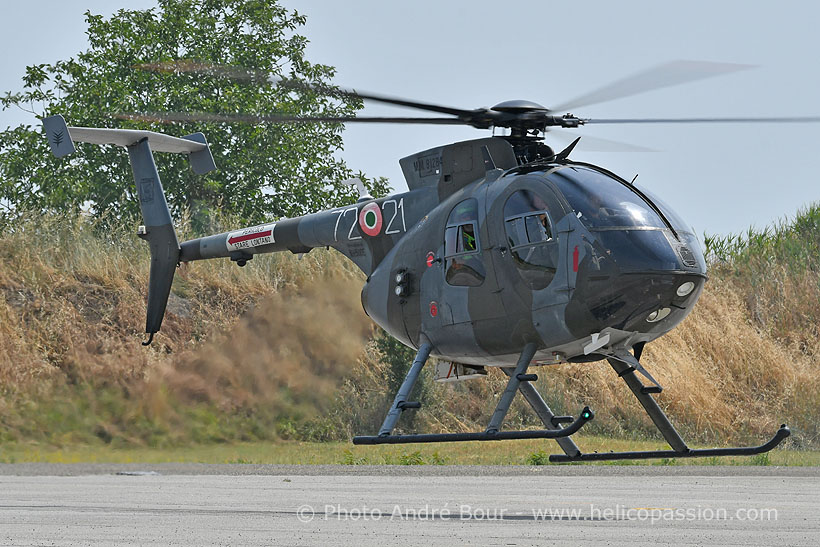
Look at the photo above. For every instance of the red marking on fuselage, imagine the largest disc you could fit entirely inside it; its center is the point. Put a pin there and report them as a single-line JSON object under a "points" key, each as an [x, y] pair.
{"points": [[430, 259], [575, 259], [246, 237]]}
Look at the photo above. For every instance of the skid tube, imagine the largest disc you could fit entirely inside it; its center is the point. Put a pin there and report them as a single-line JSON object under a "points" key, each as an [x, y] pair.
{"points": [[586, 415], [781, 435]]}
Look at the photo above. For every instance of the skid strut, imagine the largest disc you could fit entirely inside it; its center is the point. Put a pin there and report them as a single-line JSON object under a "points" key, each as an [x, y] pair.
{"points": [[550, 420], [518, 380], [401, 402], [626, 370]]}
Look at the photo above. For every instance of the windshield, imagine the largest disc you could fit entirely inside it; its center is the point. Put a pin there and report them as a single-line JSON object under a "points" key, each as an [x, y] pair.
{"points": [[677, 222], [600, 201]]}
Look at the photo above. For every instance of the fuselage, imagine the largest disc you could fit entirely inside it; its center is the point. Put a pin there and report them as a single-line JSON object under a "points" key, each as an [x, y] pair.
{"points": [[483, 256], [563, 255]]}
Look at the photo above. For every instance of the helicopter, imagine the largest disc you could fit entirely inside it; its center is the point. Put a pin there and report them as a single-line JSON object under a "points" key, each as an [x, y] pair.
{"points": [[502, 253]]}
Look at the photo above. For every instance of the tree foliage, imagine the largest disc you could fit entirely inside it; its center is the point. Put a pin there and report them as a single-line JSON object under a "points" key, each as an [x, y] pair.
{"points": [[264, 171]]}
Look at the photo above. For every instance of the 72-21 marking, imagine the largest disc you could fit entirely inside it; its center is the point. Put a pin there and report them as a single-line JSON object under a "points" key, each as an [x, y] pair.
{"points": [[390, 207]]}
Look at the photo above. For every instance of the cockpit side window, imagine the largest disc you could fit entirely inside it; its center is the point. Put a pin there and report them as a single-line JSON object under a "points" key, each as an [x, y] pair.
{"points": [[529, 229], [461, 246], [530, 238]]}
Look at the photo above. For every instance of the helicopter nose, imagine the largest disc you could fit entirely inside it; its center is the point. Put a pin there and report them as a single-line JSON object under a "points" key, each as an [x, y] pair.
{"points": [[635, 280], [657, 301], [647, 301]]}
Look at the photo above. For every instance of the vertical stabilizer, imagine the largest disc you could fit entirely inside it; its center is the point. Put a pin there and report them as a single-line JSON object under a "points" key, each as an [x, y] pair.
{"points": [[159, 233]]}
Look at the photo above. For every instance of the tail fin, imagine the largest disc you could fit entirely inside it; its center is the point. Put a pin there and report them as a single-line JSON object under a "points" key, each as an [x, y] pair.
{"points": [[159, 228]]}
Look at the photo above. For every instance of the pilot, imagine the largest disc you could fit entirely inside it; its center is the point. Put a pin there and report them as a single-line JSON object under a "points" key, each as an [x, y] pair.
{"points": [[595, 213], [468, 238], [545, 223]]}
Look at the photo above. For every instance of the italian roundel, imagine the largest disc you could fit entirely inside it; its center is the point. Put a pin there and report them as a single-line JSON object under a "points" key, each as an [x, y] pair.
{"points": [[370, 219]]}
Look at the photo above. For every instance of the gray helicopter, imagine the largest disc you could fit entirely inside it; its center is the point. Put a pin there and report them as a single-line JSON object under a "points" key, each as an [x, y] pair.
{"points": [[502, 253]]}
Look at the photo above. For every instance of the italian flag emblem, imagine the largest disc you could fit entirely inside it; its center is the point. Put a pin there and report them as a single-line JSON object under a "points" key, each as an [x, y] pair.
{"points": [[370, 219]]}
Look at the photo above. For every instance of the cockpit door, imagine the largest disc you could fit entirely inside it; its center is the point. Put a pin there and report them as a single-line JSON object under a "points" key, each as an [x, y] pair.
{"points": [[531, 246]]}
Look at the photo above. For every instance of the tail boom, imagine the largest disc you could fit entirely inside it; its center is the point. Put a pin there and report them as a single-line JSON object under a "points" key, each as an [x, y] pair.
{"points": [[283, 235]]}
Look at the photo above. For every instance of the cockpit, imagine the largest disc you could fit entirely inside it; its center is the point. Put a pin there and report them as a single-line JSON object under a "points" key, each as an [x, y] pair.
{"points": [[630, 229], [636, 266]]}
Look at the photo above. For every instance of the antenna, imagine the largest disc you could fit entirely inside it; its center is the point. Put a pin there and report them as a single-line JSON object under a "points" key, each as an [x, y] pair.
{"points": [[364, 195]]}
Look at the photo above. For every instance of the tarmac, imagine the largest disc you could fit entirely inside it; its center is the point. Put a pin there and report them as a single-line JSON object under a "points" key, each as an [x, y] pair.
{"points": [[200, 504]]}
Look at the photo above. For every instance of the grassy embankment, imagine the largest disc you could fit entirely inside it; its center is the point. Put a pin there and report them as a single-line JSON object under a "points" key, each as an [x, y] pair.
{"points": [[281, 350]]}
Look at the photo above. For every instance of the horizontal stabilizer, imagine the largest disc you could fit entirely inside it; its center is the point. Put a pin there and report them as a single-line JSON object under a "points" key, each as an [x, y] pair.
{"points": [[60, 138], [128, 137]]}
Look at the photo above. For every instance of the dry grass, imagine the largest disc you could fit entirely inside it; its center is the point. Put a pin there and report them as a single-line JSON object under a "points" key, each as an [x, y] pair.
{"points": [[273, 336], [279, 349]]}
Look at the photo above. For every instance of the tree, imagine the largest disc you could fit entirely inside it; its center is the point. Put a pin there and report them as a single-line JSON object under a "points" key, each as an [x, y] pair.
{"points": [[264, 171]]}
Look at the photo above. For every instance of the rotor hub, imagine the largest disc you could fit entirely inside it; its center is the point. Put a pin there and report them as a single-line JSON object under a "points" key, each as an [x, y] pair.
{"points": [[519, 106]]}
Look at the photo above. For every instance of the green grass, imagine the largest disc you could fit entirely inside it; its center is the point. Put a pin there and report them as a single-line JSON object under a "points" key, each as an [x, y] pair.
{"points": [[776, 268], [525, 452], [791, 241]]}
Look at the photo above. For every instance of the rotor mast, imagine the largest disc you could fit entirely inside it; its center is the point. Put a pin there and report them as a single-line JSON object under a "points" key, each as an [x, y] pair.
{"points": [[527, 122]]}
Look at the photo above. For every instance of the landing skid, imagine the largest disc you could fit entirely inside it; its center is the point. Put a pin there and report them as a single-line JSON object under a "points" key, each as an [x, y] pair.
{"points": [[781, 434], [484, 436], [518, 381], [625, 365]]}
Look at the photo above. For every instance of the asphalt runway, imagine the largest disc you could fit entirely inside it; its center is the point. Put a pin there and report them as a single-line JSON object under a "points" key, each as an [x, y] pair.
{"points": [[192, 504]]}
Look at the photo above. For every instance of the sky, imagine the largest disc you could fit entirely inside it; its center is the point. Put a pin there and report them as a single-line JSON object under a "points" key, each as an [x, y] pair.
{"points": [[720, 179]]}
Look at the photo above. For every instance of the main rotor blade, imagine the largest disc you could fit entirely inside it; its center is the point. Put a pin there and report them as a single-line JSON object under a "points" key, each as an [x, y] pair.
{"points": [[665, 75], [172, 117], [252, 75], [797, 119], [397, 101], [596, 144], [353, 93], [206, 69]]}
